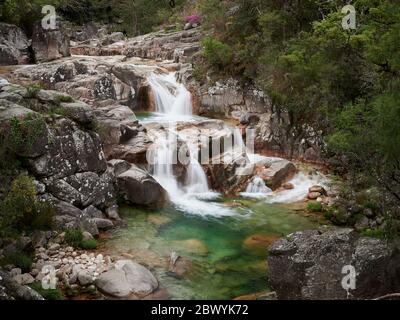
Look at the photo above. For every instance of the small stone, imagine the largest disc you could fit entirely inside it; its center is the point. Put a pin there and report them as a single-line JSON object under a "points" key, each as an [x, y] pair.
{"points": [[34, 272], [84, 278], [15, 272], [54, 247], [24, 279]]}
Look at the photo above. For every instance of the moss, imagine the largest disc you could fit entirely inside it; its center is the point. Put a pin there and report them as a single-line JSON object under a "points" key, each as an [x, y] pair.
{"points": [[48, 294], [314, 206], [373, 233]]}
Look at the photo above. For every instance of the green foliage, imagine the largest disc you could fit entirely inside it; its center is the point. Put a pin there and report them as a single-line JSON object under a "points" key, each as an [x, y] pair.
{"points": [[21, 211], [88, 244], [33, 90], [20, 260], [74, 237], [48, 294], [64, 99], [373, 233], [314, 206], [23, 134], [218, 54]]}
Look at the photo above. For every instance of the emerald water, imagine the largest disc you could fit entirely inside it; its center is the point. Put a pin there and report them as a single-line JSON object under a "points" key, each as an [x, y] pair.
{"points": [[219, 262]]}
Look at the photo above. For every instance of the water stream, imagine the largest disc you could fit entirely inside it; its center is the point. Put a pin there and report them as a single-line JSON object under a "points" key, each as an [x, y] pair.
{"points": [[221, 242]]}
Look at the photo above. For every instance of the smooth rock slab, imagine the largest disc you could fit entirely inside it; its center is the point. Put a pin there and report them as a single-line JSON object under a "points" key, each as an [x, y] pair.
{"points": [[127, 278]]}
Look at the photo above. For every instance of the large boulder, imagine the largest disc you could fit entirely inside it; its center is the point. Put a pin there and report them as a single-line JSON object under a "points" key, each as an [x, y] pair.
{"points": [[50, 44], [127, 278], [278, 173], [72, 150], [138, 187], [14, 45], [309, 265]]}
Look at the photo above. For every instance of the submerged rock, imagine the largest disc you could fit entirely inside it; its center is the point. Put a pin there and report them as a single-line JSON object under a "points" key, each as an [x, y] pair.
{"points": [[309, 265]]}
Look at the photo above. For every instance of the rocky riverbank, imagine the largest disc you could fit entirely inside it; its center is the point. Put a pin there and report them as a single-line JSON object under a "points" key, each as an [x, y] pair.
{"points": [[70, 121]]}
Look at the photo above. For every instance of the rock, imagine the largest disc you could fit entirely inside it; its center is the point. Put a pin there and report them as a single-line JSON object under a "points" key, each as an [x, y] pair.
{"points": [[54, 247], [93, 212], [84, 278], [87, 236], [362, 224], [103, 224], [112, 213], [114, 283], [50, 45], [90, 226], [288, 186], [140, 188], [141, 281], [78, 111], [15, 272], [13, 290], [259, 242], [24, 279], [119, 166], [313, 195], [308, 265], [318, 189], [14, 45], [280, 172], [112, 38], [193, 246]]}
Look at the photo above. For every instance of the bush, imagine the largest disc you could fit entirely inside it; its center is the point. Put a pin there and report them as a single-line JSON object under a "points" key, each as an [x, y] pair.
{"points": [[20, 260], [21, 211], [65, 99], [74, 237], [217, 54], [314, 206], [33, 90], [48, 294]]}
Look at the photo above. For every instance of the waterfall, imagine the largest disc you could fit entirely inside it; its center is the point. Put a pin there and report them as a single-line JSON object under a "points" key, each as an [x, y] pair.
{"points": [[174, 101], [257, 185], [171, 97]]}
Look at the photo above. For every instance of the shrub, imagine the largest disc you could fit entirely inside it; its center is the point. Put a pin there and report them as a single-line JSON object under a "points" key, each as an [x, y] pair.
{"points": [[21, 211], [195, 18], [88, 244], [74, 237], [65, 99], [20, 260], [48, 294], [217, 53], [373, 233], [33, 90], [314, 206]]}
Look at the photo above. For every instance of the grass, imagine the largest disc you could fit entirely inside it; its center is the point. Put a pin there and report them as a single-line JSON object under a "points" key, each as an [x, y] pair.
{"points": [[74, 238], [48, 294], [314, 206], [65, 99]]}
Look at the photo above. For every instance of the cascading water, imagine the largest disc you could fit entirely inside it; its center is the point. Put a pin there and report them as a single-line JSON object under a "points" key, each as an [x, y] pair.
{"points": [[173, 100]]}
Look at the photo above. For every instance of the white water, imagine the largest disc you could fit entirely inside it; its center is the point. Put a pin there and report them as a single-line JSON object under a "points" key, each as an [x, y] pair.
{"points": [[173, 104], [173, 101]]}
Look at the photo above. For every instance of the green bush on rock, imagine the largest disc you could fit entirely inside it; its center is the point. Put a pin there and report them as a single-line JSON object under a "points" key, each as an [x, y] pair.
{"points": [[48, 294], [21, 211], [314, 206]]}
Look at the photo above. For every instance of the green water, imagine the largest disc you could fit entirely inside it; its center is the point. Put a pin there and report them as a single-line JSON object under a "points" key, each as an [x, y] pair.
{"points": [[219, 264]]}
